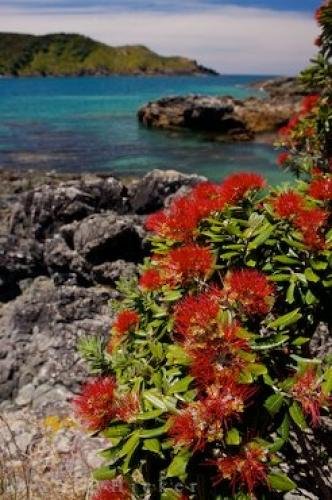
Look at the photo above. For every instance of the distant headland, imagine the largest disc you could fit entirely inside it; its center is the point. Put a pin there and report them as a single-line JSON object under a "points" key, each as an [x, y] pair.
{"points": [[65, 54]]}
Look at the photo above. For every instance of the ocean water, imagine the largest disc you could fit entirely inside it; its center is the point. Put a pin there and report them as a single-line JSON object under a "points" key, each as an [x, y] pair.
{"points": [[89, 124]]}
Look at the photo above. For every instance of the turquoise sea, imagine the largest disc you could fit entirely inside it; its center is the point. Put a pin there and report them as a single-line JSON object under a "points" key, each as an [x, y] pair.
{"points": [[89, 124]]}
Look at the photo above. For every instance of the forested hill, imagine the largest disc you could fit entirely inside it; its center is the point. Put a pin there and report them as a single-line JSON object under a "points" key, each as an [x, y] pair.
{"points": [[71, 54]]}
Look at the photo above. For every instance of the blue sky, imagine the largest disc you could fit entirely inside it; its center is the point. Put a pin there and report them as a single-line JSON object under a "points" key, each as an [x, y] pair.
{"points": [[232, 36]]}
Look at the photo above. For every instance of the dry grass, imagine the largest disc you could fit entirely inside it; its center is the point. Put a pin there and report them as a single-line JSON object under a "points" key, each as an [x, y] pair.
{"points": [[32, 464]]}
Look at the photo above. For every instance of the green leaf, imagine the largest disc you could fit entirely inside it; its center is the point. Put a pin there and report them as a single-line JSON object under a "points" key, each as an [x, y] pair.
{"points": [[149, 415], [158, 400], [286, 319], [300, 341], [177, 355], [284, 259], [290, 293], [116, 431], [270, 343], [310, 298], [283, 430], [277, 445], [152, 445], [310, 275], [261, 238], [300, 359], [150, 433], [297, 415], [274, 403], [233, 437], [281, 482], [178, 466], [104, 473], [169, 494], [181, 385]]}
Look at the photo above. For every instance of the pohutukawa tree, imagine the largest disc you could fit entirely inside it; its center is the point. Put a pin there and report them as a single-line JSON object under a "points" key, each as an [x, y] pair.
{"points": [[208, 368]]}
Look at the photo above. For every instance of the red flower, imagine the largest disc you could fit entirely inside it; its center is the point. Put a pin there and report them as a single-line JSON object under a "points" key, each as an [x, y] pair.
{"points": [[236, 186], [127, 406], [203, 421], [207, 198], [247, 469], [318, 14], [185, 428], [178, 223], [309, 102], [310, 222], [288, 203], [125, 321], [95, 405], [187, 263], [283, 158], [318, 41], [150, 280], [195, 315], [321, 188], [250, 290], [307, 391], [220, 360], [117, 489]]}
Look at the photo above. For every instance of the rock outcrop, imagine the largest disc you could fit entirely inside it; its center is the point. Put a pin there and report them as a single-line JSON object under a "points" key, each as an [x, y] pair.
{"points": [[64, 242], [224, 117]]}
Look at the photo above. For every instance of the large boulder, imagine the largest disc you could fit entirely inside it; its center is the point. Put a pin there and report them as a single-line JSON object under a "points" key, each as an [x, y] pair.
{"points": [[150, 193], [224, 117], [109, 237], [43, 209], [20, 258], [39, 331]]}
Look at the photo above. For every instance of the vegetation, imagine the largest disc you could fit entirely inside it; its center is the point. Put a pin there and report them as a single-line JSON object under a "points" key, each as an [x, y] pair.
{"points": [[209, 371], [70, 54]]}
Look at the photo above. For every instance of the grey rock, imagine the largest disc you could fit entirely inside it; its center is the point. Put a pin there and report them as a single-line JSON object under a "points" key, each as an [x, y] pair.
{"points": [[47, 207], [25, 395], [109, 273], [148, 194], [222, 116], [39, 331], [109, 236], [20, 258]]}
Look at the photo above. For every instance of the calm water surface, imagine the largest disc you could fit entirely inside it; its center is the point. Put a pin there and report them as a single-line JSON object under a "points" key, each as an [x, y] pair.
{"points": [[89, 124]]}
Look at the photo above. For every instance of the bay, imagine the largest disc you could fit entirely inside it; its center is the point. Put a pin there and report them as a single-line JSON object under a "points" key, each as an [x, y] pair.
{"points": [[89, 124]]}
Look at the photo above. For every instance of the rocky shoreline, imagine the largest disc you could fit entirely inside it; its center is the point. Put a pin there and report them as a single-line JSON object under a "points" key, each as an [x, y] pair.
{"points": [[64, 242], [226, 118]]}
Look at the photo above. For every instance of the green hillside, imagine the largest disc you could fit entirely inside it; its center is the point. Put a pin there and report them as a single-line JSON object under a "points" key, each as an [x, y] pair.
{"points": [[70, 54]]}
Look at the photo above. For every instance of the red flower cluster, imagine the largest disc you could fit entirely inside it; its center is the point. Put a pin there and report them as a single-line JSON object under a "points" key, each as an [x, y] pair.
{"points": [[179, 222], [220, 360], [195, 316], [311, 223], [250, 290], [247, 469], [283, 158], [117, 489], [150, 280], [188, 262], [126, 321], [236, 186], [204, 421], [308, 392], [288, 204], [309, 102], [95, 405], [127, 406], [321, 188]]}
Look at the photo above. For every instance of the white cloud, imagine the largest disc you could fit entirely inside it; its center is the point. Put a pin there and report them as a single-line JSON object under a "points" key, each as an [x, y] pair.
{"points": [[230, 39]]}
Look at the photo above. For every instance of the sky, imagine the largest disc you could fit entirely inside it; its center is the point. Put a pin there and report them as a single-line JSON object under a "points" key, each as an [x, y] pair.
{"points": [[231, 36]]}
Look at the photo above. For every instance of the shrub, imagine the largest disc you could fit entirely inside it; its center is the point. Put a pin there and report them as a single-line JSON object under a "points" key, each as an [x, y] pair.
{"points": [[208, 367]]}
